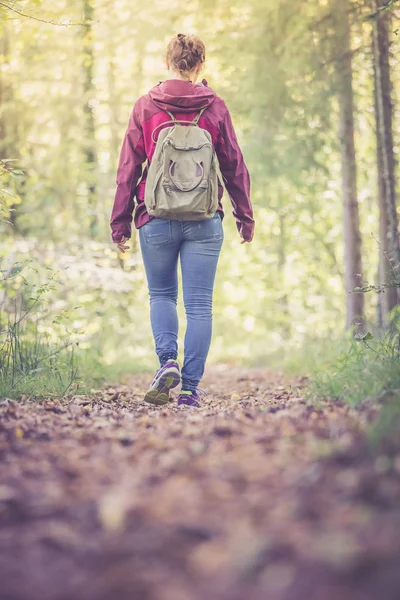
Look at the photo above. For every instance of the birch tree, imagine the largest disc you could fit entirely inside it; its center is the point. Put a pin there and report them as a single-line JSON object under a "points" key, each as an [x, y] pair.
{"points": [[89, 140], [352, 236], [389, 259]]}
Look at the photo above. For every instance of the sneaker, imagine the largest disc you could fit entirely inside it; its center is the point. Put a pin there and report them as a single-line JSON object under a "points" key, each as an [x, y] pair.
{"points": [[167, 377], [191, 398]]}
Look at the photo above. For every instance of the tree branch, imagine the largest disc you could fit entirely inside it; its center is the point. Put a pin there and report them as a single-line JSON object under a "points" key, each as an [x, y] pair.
{"points": [[22, 14], [387, 5]]}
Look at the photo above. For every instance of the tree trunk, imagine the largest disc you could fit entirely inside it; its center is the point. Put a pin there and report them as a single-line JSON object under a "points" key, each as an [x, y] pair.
{"points": [[113, 104], [89, 143], [352, 236], [389, 258], [8, 132], [4, 57], [283, 300], [386, 275]]}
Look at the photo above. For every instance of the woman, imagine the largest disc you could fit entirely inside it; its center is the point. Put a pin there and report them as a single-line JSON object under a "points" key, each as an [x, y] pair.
{"points": [[163, 241]]}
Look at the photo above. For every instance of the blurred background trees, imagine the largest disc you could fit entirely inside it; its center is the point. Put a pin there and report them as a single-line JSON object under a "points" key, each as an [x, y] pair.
{"points": [[314, 93]]}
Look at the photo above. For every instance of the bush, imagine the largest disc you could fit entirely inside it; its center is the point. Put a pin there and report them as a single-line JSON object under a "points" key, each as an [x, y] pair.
{"points": [[368, 368]]}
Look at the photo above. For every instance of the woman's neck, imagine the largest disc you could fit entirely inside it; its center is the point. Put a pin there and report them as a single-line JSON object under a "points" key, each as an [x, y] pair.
{"points": [[191, 78]]}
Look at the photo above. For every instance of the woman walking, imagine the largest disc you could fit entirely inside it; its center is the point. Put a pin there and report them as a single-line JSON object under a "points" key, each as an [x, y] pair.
{"points": [[177, 128]]}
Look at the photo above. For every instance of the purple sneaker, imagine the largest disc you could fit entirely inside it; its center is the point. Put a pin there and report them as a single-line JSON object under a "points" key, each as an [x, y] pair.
{"points": [[167, 377], [191, 398]]}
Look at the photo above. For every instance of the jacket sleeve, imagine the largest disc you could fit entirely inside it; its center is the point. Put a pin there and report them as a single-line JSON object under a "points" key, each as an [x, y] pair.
{"points": [[132, 157], [236, 177]]}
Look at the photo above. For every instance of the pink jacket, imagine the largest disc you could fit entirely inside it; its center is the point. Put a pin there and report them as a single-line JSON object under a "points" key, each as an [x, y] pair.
{"points": [[184, 100]]}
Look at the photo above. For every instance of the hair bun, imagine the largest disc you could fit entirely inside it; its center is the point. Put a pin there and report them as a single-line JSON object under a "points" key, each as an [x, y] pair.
{"points": [[185, 52]]}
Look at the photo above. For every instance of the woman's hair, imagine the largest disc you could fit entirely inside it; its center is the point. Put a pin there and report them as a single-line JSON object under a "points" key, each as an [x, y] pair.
{"points": [[185, 53]]}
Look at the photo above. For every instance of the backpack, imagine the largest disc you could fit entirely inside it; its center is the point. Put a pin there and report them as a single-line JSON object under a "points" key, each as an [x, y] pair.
{"points": [[182, 177]]}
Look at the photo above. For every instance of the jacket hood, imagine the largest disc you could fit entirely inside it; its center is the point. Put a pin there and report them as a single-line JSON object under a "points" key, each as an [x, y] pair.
{"points": [[182, 96]]}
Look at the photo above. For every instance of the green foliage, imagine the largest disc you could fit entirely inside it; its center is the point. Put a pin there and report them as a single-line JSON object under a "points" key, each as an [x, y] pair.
{"points": [[31, 361], [367, 369], [8, 196]]}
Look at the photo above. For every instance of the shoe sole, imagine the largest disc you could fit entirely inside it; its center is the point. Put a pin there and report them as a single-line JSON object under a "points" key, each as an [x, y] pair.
{"points": [[160, 394], [195, 405]]}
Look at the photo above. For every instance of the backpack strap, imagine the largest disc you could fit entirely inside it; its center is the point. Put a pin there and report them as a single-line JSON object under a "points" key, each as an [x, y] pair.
{"points": [[197, 118], [171, 115], [173, 120]]}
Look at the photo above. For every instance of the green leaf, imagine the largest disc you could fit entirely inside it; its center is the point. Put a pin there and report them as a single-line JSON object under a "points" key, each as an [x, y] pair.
{"points": [[16, 270], [363, 337]]}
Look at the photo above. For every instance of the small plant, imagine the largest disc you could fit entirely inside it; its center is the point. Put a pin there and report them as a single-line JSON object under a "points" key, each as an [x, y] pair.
{"points": [[367, 370], [7, 197], [30, 361], [364, 371]]}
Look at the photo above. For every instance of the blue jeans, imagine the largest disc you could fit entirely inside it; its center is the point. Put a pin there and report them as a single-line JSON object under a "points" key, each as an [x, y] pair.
{"points": [[198, 243]]}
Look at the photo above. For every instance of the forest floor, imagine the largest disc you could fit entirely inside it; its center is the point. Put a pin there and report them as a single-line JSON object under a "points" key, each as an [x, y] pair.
{"points": [[258, 495]]}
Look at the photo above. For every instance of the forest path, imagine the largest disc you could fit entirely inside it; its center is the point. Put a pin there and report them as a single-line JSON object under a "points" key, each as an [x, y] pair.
{"points": [[257, 495]]}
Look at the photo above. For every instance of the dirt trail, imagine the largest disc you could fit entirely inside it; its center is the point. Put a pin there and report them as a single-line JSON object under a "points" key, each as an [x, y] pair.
{"points": [[108, 498]]}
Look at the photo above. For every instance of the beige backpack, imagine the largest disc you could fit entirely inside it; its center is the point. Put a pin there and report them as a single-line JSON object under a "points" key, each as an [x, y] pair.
{"points": [[182, 178]]}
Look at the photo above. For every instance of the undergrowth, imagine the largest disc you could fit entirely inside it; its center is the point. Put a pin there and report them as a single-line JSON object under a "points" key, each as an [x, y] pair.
{"points": [[362, 371], [365, 368]]}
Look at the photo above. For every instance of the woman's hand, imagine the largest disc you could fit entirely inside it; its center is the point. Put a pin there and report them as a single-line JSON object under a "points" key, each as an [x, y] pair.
{"points": [[121, 244], [246, 232]]}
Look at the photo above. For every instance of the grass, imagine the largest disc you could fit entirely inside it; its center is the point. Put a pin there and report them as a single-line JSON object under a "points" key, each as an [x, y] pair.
{"points": [[31, 365], [70, 370], [365, 372], [359, 372]]}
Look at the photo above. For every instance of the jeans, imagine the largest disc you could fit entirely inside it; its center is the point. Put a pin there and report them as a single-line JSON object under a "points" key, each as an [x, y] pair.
{"points": [[198, 243]]}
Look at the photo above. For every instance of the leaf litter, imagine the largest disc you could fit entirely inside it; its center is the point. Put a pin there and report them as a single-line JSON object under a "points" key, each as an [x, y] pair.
{"points": [[259, 494]]}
